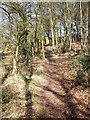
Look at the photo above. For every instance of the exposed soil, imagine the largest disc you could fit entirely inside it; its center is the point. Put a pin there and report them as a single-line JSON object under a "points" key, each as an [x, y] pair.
{"points": [[49, 93]]}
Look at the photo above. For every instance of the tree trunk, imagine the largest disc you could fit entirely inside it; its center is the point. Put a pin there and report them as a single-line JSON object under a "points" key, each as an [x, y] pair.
{"points": [[89, 41], [36, 34], [15, 61], [77, 33], [43, 53], [86, 34], [70, 28], [42, 28], [81, 24], [56, 37], [52, 27], [60, 40], [65, 35]]}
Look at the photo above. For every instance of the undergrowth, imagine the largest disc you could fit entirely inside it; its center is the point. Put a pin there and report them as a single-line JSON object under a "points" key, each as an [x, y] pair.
{"points": [[80, 64]]}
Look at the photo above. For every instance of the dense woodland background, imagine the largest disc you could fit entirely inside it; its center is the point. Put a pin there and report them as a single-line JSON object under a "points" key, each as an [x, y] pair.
{"points": [[44, 59]]}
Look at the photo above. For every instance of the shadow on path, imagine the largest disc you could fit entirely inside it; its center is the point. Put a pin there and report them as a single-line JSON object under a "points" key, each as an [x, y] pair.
{"points": [[53, 72], [69, 99], [28, 94]]}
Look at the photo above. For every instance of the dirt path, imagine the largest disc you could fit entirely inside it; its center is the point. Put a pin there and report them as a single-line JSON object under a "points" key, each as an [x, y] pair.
{"points": [[48, 93], [53, 91]]}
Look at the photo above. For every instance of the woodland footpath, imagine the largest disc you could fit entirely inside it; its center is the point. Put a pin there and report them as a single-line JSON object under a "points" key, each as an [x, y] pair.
{"points": [[44, 60]]}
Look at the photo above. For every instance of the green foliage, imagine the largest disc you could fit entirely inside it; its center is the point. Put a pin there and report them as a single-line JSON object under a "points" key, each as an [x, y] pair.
{"points": [[85, 62], [65, 48], [65, 45], [80, 78], [81, 66], [7, 94], [25, 78]]}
